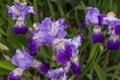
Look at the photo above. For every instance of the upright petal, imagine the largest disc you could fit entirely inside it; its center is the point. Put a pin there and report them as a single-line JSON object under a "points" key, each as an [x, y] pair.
{"points": [[32, 10], [100, 19], [92, 16], [13, 11], [22, 59], [20, 5]]}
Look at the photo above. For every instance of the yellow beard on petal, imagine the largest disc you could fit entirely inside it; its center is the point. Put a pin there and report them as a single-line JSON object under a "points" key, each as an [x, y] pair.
{"points": [[35, 27], [60, 44]]}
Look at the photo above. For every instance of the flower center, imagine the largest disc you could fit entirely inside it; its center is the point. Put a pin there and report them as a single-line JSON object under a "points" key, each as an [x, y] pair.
{"points": [[60, 44]]}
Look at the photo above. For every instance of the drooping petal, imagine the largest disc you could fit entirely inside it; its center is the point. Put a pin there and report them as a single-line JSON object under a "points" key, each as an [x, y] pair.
{"points": [[16, 74], [64, 55], [44, 67], [75, 66], [20, 27], [97, 35], [23, 29], [117, 28], [113, 45], [32, 46], [113, 42]]}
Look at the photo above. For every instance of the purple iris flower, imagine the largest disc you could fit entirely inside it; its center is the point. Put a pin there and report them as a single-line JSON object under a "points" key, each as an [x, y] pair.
{"points": [[113, 42], [22, 59], [16, 74], [19, 12], [57, 74], [94, 18], [45, 32]]}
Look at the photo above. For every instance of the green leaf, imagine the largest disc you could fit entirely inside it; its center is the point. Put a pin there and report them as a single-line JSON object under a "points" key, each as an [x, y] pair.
{"points": [[83, 6], [2, 32], [99, 71], [6, 65], [4, 71], [93, 51], [87, 68]]}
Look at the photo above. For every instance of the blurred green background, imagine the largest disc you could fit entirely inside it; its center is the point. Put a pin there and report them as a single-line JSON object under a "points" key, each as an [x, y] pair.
{"points": [[96, 62]]}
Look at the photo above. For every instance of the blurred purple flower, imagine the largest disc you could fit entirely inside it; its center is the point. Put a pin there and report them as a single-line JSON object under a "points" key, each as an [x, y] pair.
{"points": [[45, 32], [19, 12], [16, 74], [22, 59], [96, 19], [20, 9], [93, 17]]}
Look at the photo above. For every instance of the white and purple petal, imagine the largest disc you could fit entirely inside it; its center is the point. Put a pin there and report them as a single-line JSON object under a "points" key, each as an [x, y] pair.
{"points": [[20, 5], [113, 42], [20, 27], [75, 66], [97, 35], [16, 74], [92, 16], [22, 59], [57, 74], [64, 55]]}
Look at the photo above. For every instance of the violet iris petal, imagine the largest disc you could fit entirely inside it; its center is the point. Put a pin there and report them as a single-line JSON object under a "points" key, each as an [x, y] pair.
{"points": [[22, 59], [16, 74]]}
